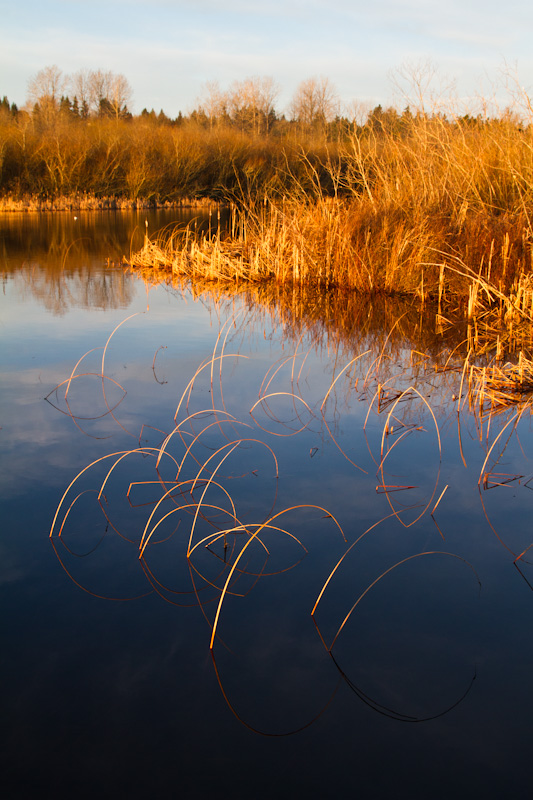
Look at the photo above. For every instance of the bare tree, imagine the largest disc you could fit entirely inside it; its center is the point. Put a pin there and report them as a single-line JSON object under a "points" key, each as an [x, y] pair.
{"points": [[99, 86], [101, 91], [315, 102], [358, 112], [422, 88], [48, 84], [119, 94], [267, 92], [45, 90], [214, 104], [80, 88], [251, 103]]}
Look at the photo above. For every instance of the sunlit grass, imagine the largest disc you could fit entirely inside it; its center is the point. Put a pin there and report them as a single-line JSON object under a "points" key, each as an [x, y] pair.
{"points": [[441, 212]]}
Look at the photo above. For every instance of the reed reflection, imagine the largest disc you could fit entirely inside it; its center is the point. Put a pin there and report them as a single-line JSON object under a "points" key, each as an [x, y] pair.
{"points": [[197, 519]]}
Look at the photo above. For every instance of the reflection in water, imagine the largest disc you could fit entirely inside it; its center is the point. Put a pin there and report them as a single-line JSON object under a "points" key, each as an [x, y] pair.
{"points": [[333, 320], [190, 499], [299, 411], [335, 315], [62, 259], [89, 287]]}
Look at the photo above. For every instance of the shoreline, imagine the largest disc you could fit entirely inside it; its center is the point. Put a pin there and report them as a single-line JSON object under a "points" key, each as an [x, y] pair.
{"points": [[29, 204], [351, 247]]}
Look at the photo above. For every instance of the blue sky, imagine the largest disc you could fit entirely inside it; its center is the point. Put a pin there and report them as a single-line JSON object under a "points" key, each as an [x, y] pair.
{"points": [[169, 49]]}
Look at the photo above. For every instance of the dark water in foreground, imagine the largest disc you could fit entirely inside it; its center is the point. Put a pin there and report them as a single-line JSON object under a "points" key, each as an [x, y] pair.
{"points": [[109, 684]]}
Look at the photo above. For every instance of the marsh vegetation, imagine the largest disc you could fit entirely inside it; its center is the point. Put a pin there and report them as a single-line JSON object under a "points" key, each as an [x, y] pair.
{"points": [[418, 205], [433, 201]]}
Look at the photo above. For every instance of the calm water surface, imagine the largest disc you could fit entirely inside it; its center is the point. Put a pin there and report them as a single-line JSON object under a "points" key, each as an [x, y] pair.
{"points": [[110, 686]]}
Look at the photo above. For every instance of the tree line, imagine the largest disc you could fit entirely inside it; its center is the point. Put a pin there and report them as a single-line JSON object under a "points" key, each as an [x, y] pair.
{"points": [[77, 135]]}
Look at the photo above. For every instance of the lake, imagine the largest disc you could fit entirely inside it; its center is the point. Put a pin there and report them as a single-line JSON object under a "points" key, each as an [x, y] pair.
{"points": [[254, 543]]}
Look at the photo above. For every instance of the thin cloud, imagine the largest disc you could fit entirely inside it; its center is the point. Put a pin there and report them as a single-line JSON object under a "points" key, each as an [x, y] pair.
{"points": [[169, 50]]}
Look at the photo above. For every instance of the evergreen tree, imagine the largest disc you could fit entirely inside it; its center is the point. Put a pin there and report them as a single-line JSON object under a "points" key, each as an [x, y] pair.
{"points": [[105, 108], [65, 106]]}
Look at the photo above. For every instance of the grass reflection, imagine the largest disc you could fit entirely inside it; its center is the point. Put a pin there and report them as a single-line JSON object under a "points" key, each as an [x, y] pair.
{"points": [[198, 519]]}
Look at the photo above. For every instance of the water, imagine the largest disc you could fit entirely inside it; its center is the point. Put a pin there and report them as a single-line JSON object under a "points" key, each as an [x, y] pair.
{"points": [[110, 686]]}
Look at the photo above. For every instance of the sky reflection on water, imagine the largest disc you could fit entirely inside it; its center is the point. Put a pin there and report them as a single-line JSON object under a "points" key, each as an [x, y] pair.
{"points": [[125, 694]]}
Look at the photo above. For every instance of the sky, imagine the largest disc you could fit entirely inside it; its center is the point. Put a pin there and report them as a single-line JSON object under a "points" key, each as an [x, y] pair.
{"points": [[169, 49]]}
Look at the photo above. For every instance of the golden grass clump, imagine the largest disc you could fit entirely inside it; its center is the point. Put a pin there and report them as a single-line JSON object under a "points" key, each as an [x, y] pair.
{"points": [[439, 207], [500, 387]]}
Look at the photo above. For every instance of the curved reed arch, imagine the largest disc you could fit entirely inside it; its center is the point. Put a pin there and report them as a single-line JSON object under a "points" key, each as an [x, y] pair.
{"points": [[254, 535], [275, 369], [73, 481], [68, 381], [233, 446], [73, 373], [280, 394], [138, 313], [280, 364], [121, 454], [372, 703], [69, 509], [380, 470], [378, 360], [188, 389], [514, 419], [148, 451], [390, 569], [177, 430], [482, 481], [147, 536], [245, 529], [229, 323], [377, 394], [197, 438], [339, 562], [343, 370]]}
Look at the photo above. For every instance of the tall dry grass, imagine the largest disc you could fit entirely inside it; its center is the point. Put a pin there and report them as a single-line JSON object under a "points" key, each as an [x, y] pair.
{"points": [[440, 207]]}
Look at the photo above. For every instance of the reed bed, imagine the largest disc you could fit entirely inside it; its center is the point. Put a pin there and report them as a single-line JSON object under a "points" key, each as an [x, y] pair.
{"points": [[439, 209], [334, 244], [312, 243]]}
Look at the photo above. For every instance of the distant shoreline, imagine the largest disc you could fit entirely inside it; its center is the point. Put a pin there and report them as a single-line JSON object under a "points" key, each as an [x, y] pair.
{"points": [[32, 204]]}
